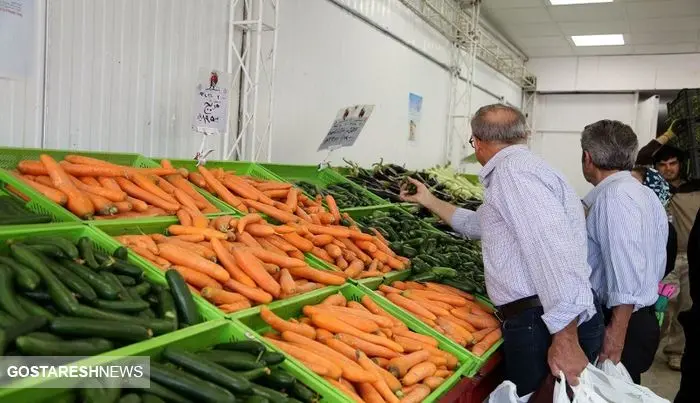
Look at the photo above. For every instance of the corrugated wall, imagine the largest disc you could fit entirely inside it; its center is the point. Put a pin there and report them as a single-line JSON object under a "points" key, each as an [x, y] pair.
{"points": [[121, 73]]}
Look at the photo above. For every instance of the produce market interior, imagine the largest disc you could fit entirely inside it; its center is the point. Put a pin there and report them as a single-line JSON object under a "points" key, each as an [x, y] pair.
{"points": [[349, 200]]}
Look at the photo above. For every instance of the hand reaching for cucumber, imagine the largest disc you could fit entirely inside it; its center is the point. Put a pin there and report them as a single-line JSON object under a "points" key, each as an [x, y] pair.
{"points": [[421, 195]]}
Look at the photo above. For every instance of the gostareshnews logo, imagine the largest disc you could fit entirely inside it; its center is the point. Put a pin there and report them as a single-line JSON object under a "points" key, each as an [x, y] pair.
{"points": [[74, 372]]}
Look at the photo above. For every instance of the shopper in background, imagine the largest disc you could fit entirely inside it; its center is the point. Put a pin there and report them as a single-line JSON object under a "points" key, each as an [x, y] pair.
{"points": [[627, 237], [533, 236], [683, 207]]}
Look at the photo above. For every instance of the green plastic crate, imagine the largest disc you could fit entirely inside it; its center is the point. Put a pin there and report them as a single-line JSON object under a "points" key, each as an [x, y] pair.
{"points": [[292, 309], [33, 201], [159, 225], [73, 232]]}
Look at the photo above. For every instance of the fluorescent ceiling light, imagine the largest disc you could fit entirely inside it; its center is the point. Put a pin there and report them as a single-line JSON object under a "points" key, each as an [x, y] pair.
{"points": [[566, 2], [598, 40]]}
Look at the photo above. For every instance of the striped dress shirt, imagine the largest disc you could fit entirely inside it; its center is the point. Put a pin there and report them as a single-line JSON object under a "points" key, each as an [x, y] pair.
{"points": [[627, 235], [533, 236]]}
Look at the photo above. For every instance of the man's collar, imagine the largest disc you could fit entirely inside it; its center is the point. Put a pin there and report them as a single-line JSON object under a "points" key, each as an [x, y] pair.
{"points": [[593, 194], [496, 159]]}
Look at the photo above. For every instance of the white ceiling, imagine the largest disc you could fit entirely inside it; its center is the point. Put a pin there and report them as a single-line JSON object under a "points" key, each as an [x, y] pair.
{"points": [[649, 26]]}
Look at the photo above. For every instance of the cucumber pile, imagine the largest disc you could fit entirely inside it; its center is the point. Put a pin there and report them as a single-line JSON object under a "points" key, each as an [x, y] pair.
{"points": [[242, 371], [345, 194], [13, 212], [63, 298]]}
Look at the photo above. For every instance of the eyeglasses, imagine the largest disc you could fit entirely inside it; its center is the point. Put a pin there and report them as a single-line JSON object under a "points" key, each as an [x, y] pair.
{"points": [[471, 141]]}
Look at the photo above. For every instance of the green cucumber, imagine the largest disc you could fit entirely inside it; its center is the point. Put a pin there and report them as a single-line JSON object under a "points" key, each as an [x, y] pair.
{"points": [[121, 253], [99, 392], [122, 293], [254, 374], [8, 299], [47, 250], [122, 306], [248, 346], [189, 385], [303, 393], [235, 360], [30, 345], [68, 397], [141, 289], [38, 296], [279, 379], [130, 398], [9, 335], [102, 287], [186, 308], [72, 280], [292, 400], [122, 267], [126, 280], [67, 247], [256, 399], [164, 393], [207, 370], [147, 314], [33, 308], [268, 393], [104, 260], [46, 336], [27, 219], [149, 398], [85, 248], [6, 320], [25, 277], [158, 326], [81, 327], [272, 358], [60, 295], [166, 305]]}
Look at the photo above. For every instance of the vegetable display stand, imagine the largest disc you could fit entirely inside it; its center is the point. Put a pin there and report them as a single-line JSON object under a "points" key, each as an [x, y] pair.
{"points": [[37, 207], [10, 157], [686, 104], [293, 309], [323, 179], [478, 388]]}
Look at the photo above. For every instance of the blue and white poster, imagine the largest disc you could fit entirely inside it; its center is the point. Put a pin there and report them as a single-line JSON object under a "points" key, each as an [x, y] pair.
{"points": [[415, 110]]}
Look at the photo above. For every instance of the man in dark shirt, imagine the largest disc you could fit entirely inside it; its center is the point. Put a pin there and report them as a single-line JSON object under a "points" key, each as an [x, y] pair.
{"points": [[690, 365]]}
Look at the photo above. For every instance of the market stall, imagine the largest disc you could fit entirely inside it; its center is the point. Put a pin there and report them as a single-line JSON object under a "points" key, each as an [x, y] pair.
{"points": [[268, 283]]}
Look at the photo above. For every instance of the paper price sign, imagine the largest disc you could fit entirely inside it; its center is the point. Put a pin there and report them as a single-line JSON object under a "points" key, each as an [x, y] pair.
{"points": [[346, 127], [211, 104]]}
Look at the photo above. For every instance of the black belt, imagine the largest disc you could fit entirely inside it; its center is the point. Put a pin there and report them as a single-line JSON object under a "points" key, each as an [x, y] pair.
{"points": [[517, 307]]}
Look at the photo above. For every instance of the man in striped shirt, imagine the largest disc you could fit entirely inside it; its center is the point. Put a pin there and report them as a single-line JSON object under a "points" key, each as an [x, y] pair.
{"points": [[533, 236], [627, 234]]}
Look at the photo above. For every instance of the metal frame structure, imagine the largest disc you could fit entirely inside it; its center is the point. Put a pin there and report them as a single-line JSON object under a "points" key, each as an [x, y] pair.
{"points": [[256, 67]]}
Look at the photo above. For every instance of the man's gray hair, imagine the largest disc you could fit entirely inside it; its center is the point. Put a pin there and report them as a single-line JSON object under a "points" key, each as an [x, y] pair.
{"points": [[500, 123], [611, 143]]}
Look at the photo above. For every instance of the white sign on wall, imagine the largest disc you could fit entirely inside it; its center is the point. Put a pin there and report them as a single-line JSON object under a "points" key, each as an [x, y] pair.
{"points": [[346, 127], [16, 39], [211, 103]]}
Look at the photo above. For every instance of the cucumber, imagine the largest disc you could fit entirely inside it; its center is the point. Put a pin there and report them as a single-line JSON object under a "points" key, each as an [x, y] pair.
{"points": [[149, 398], [141, 289], [292, 400], [25, 277], [121, 253], [122, 267], [126, 280], [80, 327], [278, 379], [8, 299], [272, 358], [9, 335], [99, 392], [122, 306], [46, 336], [30, 345], [268, 393], [158, 326], [85, 248], [122, 293], [68, 397], [248, 346], [71, 280], [207, 370], [186, 308], [33, 308], [303, 393], [102, 287], [67, 247], [6, 320], [256, 399], [104, 260], [254, 374], [164, 393], [38, 296], [47, 250], [166, 305], [189, 385], [147, 314], [130, 398], [60, 295], [29, 219], [235, 360]]}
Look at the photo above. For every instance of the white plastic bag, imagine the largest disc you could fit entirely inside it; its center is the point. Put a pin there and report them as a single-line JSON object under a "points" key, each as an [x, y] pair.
{"points": [[583, 392], [507, 392], [615, 389], [616, 371]]}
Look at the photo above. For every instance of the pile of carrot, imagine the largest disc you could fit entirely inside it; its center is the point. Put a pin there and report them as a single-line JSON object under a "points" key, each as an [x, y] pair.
{"points": [[363, 351], [234, 263], [450, 311], [92, 188], [320, 229]]}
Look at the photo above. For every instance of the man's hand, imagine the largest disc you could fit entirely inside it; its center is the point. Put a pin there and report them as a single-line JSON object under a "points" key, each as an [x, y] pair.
{"points": [[422, 195], [566, 355], [613, 344]]}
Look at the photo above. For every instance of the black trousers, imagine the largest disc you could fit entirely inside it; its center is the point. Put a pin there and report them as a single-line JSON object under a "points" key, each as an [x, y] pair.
{"points": [[641, 341], [690, 365]]}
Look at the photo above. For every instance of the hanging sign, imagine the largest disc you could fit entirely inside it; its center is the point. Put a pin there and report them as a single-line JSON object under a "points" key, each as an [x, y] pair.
{"points": [[211, 103], [16, 38], [346, 127]]}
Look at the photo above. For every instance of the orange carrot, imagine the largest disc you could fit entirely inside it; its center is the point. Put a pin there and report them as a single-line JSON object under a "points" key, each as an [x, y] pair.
{"points": [[451, 299], [183, 185], [123, 206], [399, 366], [411, 306], [252, 266], [380, 384], [247, 219], [417, 394], [112, 195], [319, 276], [185, 230], [218, 296], [478, 321], [445, 288], [183, 198], [178, 256], [335, 325], [277, 193], [78, 203], [101, 205], [54, 195], [334, 371], [196, 278], [355, 268], [197, 179], [336, 299], [416, 336], [369, 394], [351, 393], [261, 230], [481, 347], [184, 217], [322, 254], [234, 306], [229, 263], [137, 192], [322, 240], [287, 282], [363, 324], [333, 207], [298, 242], [292, 200], [367, 246], [220, 190], [282, 325], [479, 335], [360, 254], [252, 293], [334, 251], [280, 260]]}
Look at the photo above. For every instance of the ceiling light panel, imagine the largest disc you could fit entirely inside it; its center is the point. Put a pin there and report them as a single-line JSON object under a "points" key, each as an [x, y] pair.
{"points": [[569, 2], [598, 40]]}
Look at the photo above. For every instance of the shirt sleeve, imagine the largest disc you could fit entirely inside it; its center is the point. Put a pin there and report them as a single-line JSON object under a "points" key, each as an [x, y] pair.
{"points": [[466, 222], [645, 156], [554, 258]]}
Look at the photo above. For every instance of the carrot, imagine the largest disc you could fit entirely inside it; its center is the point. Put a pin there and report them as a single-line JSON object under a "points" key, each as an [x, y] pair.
{"points": [[478, 321], [375, 309], [410, 305], [393, 383], [77, 203], [229, 263], [184, 217], [123, 206], [136, 192], [137, 205], [54, 195], [197, 179], [281, 325], [252, 293], [455, 331], [277, 194], [202, 250], [333, 207], [451, 359], [179, 256], [342, 263], [319, 276], [433, 382], [112, 195], [322, 254], [182, 184], [463, 323], [252, 266], [360, 254], [417, 394], [37, 168], [367, 347], [303, 215], [296, 254], [337, 299], [107, 183], [80, 159], [273, 212], [196, 278], [247, 219], [400, 365], [262, 230], [287, 282], [100, 204], [292, 200], [298, 242], [380, 384], [301, 353], [416, 336], [147, 184], [280, 260], [221, 191], [185, 230], [489, 340], [355, 268], [479, 335], [221, 223], [219, 296], [235, 306], [451, 299], [333, 250], [369, 394], [358, 322], [43, 179], [350, 370], [333, 230], [388, 289], [322, 240], [347, 389], [310, 286], [445, 288], [367, 246]]}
